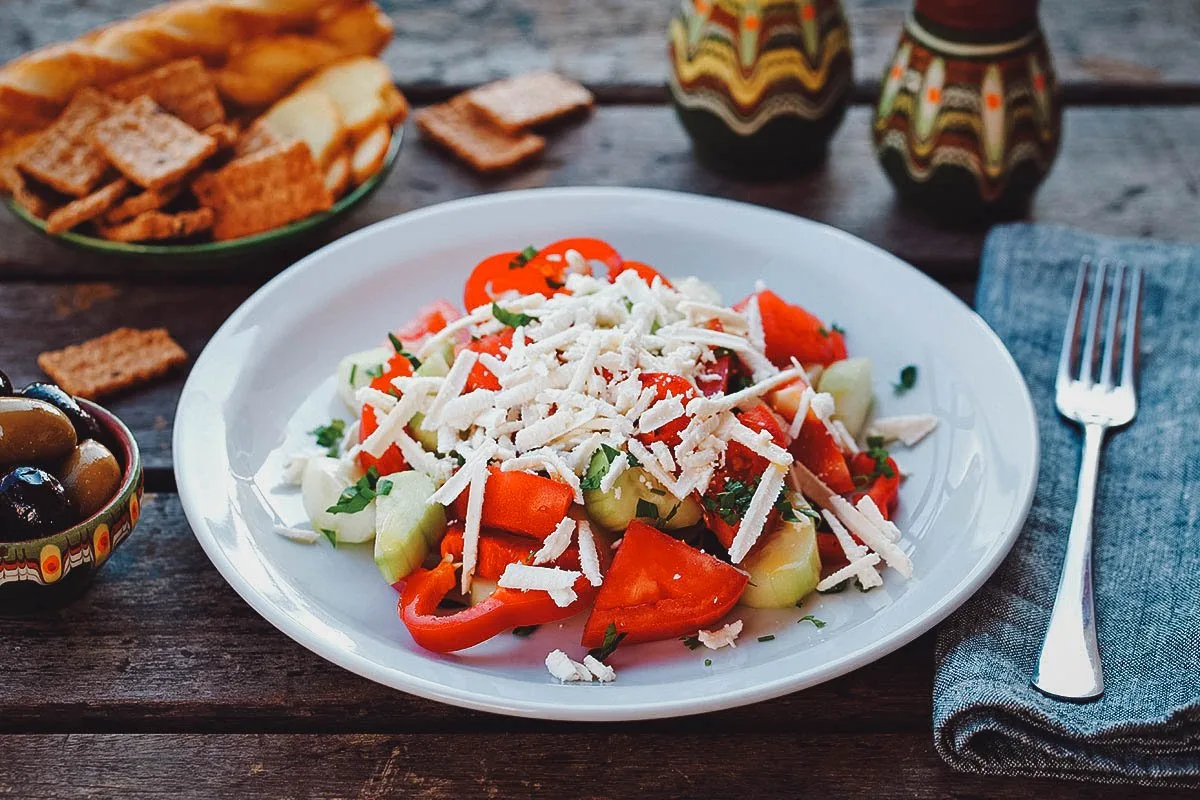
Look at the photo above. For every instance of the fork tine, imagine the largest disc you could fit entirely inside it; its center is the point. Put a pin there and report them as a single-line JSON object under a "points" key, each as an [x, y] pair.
{"points": [[1087, 361], [1072, 331], [1108, 362], [1133, 329]]}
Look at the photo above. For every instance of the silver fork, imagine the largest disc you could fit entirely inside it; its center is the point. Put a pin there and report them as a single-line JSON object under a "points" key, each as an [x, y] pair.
{"points": [[1091, 393]]}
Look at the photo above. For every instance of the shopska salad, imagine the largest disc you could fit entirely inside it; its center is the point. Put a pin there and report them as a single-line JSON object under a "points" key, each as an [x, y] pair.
{"points": [[592, 438]]}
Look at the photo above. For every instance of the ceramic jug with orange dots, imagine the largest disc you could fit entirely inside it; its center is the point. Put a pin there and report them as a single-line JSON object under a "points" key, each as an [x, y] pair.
{"points": [[760, 85], [968, 119]]}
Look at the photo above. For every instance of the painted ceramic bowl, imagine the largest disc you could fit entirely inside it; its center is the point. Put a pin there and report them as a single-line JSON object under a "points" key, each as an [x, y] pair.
{"points": [[53, 570]]}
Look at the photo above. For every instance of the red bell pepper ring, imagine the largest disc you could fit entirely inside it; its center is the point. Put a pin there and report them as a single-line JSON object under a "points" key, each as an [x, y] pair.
{"points": [[424, 589], [792, 332], [644, 271], [884, 490], [554, 255], [642, 598], [505, 272], [520, 502]]}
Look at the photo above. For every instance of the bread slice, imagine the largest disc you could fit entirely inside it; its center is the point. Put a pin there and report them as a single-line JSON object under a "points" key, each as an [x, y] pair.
{"points": [[337, 175], [395, 105], [370, 153], [356, 86], [310, 116]]}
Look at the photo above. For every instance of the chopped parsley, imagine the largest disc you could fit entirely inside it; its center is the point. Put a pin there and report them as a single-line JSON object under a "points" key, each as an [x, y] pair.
{"points": [[522, 258], [612, 640], [329, 436], [731, 502], [708, 662], [458, 457], [599, 466], [357, 497], [770, 637], [837, 328], [330, 535], [510, 318], [908, 379], [375, 371], [837, 589], [524, 630], [353, 373], [553, 284], [877, 451], [646, 509], [690, 642], [789, 513], [399, 345], [820, 623]]}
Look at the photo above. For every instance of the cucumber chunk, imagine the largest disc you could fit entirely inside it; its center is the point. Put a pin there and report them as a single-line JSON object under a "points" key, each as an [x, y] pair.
{"points": [[635, 488], [436, 366], [320, 487], [784, 568], [408, 524], [352, 373], [849, 382]]}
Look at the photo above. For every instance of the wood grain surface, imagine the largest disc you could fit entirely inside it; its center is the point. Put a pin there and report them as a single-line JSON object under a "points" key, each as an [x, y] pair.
{"points": [[1101, 47]]}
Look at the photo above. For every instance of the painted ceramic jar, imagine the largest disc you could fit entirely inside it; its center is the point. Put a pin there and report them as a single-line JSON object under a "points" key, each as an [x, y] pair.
{"points": [[968, 119], [760, 85]]}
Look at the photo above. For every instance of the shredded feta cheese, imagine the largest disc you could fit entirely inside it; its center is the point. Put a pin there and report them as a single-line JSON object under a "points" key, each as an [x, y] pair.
{"points": [[300, 535], [909, 429], [562, 667], [589, 559], [603, 672], [556, 543], [755, 517], [725, 637]]}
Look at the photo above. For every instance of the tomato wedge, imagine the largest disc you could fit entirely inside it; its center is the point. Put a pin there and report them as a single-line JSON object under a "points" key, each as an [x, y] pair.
{"points": [[429, 320], [424, 589], [792, 332], [816, 449], [519, 502], [498, 549], [392, 459], [883, 490], [497, 345], [397, 367], [664, 384], [642, 598]]}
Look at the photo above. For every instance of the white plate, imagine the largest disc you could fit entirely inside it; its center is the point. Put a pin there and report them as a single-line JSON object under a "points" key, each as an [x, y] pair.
{"points": [[264, 380]]}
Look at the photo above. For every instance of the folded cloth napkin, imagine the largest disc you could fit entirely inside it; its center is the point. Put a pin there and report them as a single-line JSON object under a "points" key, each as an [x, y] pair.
{"points": [[1146, 728]]}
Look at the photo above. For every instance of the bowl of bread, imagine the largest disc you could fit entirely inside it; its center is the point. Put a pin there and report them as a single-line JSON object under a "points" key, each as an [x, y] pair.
{"points": [[201, 128]]}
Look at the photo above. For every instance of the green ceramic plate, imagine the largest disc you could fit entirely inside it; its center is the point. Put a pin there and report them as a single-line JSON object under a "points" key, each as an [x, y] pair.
{"points": [[220, 251]]}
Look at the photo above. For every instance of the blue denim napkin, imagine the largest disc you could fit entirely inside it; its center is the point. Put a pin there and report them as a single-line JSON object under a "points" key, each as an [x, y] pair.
{"points": [[1146, 727]]}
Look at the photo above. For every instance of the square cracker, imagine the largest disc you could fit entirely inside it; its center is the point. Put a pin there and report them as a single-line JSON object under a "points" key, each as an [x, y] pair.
{"points": [[263, 190], [257, 137], [455, 126], [63, 157], [154, 226], [114, 362], [515, 104], [183, 88], [80, 211], [12, 151], [149, 146], [140, 203]]}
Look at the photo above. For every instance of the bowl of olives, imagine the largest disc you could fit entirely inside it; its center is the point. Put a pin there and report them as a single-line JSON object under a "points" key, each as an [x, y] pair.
{"points": [[70, 493]]}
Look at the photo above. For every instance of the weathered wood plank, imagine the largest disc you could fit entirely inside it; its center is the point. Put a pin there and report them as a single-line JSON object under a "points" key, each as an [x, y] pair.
{"points": [[1130, 51], [168, 646], [1121, 171], [608, 764]]}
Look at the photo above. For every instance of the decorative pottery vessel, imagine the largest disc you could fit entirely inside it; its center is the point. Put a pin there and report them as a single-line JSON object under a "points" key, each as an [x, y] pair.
{"points": [[51, 571], [969, 118], [760, 85]]}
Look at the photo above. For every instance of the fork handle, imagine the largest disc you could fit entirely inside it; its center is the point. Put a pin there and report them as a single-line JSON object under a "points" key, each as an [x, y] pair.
{"points": [[1069, 665]]}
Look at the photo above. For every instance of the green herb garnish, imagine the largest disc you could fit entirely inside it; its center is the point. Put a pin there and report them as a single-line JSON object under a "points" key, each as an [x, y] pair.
{"points": [[837, 329], [768, 638], [731, 502], [908, 379], [877, 451], [510, 318], [646, 510], [353, 373], [708, 662], [399, 345], [612, 640], [522, 258], [810, 618], [330, 435], [375, 371], [524, 630], [690, 642], [330, 535], [838, 589], [355, 498], [458, 457]]}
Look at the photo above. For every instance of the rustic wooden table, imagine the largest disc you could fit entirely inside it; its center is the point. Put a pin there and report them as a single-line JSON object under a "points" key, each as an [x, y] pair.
{"points": [[162, 681]]}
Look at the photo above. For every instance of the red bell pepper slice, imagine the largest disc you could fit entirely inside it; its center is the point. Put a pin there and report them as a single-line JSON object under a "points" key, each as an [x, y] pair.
{"points": [[792, 332], [591, 250], [497, 345], [397, 367], [424, 589], [833, 557], [644, 271], [519, 502], [504, 272], [392, 459], [816, 449], [498, 549], [883, 490], [715, 378], [642, 599], [428, 321]]}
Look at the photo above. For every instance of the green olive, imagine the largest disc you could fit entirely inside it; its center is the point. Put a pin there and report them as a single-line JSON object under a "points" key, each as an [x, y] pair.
{"points": [[33, 431], [90, 476]]}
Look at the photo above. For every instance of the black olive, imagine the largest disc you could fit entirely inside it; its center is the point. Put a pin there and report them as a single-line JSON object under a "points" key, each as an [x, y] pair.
{"points": [[32, 504], [85, 424], [6, 387]]}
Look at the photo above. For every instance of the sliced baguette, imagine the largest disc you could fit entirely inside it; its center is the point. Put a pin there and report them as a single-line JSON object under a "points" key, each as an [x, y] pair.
{"points": [[356, 87], [310, 116], [337, 175], [395, 105], [370, 152]]}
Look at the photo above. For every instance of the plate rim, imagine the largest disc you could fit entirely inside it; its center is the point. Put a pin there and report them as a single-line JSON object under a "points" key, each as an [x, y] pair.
{"points": [[724, 698]]}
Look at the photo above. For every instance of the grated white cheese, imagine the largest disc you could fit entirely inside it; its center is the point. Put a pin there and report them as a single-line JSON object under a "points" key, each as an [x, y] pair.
{"points": [[528, 578], [602, 672], [868, 576], [724, 637], [471, 524], [857, 568], [301, 535], [755, 518], [909, 429], [754, 324], [659, 414], [867, 507], [562, 667], [556, 543], [801, 411], [452, 386], [589, 558], [871, 536], [842, 435], [618, 465]]}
